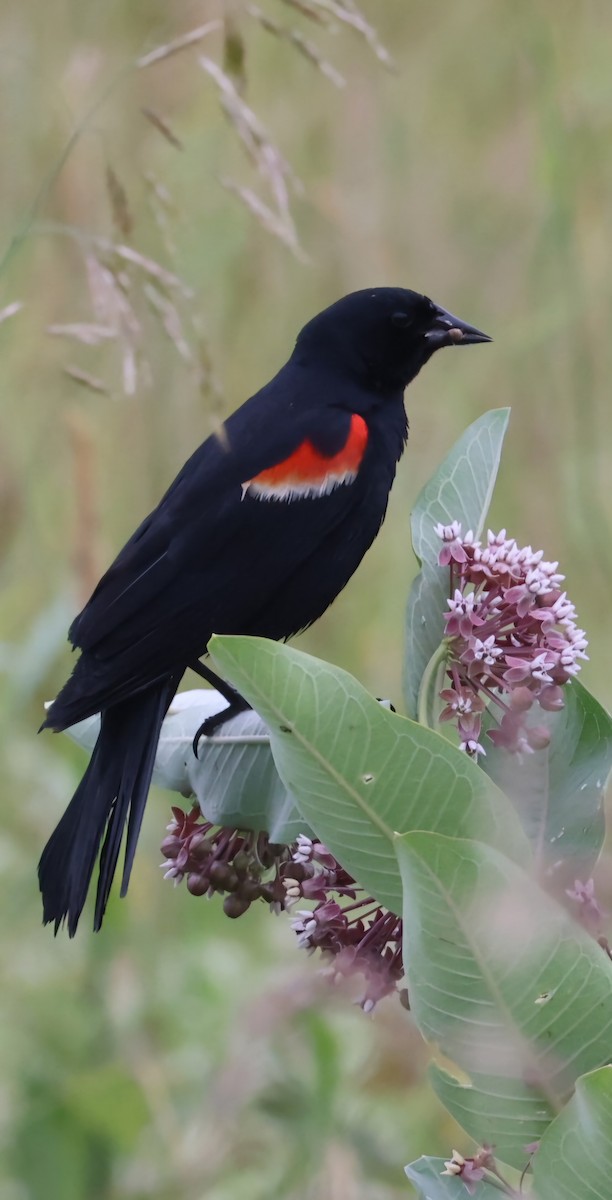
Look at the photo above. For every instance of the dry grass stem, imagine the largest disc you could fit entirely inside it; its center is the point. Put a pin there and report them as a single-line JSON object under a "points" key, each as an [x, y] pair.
{"points": [[88, 334], [150, 267], [171, 321], [267, 158], [208, 382], [120, 208], [87, 380], [284, 231], [347, 13], [308, 10], [129, 369], [162, 127], [163, 209], [161, 192], [303, 45], [126, 253], [101, 288], [234, 53], [183, 42], [120, 316], [109, 290]]}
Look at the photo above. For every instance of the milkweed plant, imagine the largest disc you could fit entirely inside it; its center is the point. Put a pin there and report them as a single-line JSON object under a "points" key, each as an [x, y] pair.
{"points": [[447, 855]]}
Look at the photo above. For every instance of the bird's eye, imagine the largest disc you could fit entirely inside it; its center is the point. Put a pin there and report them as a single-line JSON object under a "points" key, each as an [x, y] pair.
{"points": [[400, 320]]}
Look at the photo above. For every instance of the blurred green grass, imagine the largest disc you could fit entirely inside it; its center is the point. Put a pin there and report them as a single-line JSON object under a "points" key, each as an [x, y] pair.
{"points": [[178, 1054]]}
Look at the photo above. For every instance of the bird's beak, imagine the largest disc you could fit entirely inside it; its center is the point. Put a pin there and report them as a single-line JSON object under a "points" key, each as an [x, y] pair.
{"points": [[447, 330]]}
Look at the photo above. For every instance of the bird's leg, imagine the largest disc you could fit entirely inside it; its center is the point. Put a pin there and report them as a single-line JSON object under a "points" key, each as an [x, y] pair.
{"points": [[227, 691], [236, 702]]}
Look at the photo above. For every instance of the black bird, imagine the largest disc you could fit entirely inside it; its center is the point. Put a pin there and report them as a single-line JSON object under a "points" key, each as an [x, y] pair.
{"points": [[260, 531]]}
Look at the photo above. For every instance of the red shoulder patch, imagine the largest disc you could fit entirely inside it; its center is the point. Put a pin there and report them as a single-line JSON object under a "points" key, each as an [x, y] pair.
{"points": [[308, 472]]}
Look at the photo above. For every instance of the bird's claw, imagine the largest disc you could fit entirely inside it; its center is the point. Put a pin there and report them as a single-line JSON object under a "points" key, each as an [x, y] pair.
{"points": [[219, 718]]}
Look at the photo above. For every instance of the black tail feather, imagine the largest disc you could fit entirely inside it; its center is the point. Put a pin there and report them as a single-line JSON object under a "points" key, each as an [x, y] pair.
{"points": [[113, 790]]}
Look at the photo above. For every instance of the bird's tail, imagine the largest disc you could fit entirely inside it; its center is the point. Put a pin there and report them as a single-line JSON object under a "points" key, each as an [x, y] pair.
{"points": [[113, 791]]}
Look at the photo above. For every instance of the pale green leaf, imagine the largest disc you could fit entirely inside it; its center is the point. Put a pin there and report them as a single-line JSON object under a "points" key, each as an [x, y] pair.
{"points": [[559, 791], [574, 1161], [460, 490], [495, 1110], [501, 978]]}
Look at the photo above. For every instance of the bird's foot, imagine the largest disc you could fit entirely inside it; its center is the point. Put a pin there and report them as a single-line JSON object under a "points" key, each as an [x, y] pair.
{"points": [[208, 727]]}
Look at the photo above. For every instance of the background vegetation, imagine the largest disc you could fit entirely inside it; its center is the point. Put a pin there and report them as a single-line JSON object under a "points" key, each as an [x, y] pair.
{"points": [[178, 1054]]}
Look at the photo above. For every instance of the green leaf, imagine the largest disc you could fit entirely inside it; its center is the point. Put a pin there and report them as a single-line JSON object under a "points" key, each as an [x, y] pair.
{"points": [[559, 792], [501, 978], [234, 777], [426, 1175], [460, 490], [504, 1112], [575, 1156], [358, 771]]}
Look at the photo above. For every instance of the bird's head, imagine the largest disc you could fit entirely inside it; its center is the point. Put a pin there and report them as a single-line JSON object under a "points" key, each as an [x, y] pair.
{"points": [[383, 335]]}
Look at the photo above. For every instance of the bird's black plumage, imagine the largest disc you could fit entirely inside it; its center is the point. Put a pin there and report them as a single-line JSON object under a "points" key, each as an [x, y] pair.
{"points": [[258, 533]]}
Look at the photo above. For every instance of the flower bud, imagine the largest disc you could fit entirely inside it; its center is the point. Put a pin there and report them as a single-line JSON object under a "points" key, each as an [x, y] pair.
{"points": [[197, 884], [538, 737], [551, 698], [170, 846], [245, 865], [235, 906], [200, 848], [219, 874], [250, 889], [521, 699]]}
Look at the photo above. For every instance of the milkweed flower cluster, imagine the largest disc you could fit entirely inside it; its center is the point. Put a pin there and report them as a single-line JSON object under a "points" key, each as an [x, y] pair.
{"points": [[241, 865], [355, 935], [356, 938], [512, 639]]}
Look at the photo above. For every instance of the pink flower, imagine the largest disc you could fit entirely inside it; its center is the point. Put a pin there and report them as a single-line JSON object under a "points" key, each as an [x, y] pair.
{"points": [[522, 670], [584, 895], [512, 638], [454, 544], [471, 1170], [461, 618], [464, 701]]}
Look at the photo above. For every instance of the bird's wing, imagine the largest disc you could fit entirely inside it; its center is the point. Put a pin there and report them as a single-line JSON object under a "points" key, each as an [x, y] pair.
{"points": [[221, 535]]}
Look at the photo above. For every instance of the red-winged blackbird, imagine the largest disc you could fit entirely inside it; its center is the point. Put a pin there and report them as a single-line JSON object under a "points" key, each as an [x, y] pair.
{"points": [[258, 534]]}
